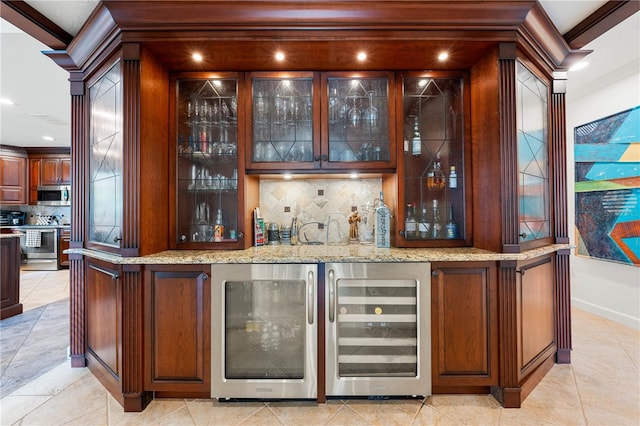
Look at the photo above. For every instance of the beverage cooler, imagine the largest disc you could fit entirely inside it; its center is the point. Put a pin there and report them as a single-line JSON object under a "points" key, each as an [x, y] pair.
{"points": [[378, 329], [264, 331]]}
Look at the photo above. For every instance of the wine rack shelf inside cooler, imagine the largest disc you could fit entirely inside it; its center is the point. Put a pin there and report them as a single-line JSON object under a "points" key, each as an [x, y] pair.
{"points": [[377, 328]]}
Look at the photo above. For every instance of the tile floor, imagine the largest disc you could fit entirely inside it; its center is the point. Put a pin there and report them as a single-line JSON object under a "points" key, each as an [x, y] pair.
{"points": [[600, 387]]}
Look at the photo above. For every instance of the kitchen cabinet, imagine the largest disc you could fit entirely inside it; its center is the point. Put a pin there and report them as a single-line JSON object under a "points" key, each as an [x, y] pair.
{"points": [[464, 324], [339, 121], [432, 206], [13, 175], [10, 277], [64, 241], [210, 178], [56, 171], [49, 170], [178, 329]]}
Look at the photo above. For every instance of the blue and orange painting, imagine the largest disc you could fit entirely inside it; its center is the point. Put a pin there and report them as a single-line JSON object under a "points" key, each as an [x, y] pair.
{"points": [[607, 159]]}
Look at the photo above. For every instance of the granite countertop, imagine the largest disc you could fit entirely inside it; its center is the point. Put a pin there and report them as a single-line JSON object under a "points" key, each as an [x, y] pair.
{"points": [[11, 235], [319, 254]]}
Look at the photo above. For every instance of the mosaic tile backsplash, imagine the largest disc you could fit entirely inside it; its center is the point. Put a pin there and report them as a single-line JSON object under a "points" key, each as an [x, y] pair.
{"points": [[313, 200]]}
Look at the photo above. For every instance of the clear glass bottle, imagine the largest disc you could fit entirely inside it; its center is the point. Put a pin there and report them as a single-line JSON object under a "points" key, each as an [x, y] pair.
{"points": [[410, 224], [416, 142], [436, 224], [423, 224], [383, 224]]}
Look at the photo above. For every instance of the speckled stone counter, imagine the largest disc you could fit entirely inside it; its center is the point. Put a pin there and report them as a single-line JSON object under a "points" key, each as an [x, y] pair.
{"points": [[319, 254], [14, 235]]}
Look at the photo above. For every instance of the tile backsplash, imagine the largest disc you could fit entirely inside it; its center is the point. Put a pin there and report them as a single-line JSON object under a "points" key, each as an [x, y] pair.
{"points": [[312, 200]]}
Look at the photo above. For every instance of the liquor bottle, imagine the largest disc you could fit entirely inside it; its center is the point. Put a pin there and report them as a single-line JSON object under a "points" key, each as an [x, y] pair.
{"points": [[424, 225], [453, 178], [383, 224], [218, 228], [416, 142], [410, 225], [436, 177], [436, 225], [451, 228]]}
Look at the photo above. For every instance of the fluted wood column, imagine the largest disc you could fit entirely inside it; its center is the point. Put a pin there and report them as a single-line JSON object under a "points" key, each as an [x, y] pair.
{"points": [[560, 219], [78, 206]]}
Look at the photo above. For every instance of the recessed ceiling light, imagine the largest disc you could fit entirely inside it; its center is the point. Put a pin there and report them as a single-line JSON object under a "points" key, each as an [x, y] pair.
{"points": [[279, 56], [5, 101], [579, 66], [197, 57], [361, 56], [48, 138], [443, 56]]}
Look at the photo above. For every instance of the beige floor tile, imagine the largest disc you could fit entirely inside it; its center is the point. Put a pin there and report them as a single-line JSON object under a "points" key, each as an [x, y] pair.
{"points": [[212, 412], [83, 396], [386, 412], [13, 408], [467, 409], [263, 417], [346, 416], [307, 412], [428, 416], [54, 381]]}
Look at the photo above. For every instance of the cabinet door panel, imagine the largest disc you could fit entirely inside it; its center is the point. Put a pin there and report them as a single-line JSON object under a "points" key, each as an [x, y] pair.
{"points": [[65, 171], [50, 175], [103, 316], [177, 335], [464, 325], [13, 185]]}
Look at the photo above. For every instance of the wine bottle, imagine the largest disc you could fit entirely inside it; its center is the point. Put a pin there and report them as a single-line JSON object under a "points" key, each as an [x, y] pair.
{"points": [[451, 228], [383, 224]]}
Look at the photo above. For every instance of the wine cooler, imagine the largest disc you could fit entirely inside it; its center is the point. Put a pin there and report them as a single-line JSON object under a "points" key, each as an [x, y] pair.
{"points": [[378, 329], [264, 331]]}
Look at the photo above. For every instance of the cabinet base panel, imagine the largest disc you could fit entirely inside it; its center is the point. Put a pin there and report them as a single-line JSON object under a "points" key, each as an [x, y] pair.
{"points": [[563, 356], [178, 394], [78, 361], [10, 311], [475, 390]]}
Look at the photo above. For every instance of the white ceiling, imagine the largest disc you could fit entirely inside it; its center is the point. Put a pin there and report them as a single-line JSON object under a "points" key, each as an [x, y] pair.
{"points": [[40, 88]]}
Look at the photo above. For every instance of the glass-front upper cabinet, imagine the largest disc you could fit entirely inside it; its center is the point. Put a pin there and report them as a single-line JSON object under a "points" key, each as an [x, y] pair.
{"points": [[207, 168], [532, 110], [284, 121], [357, 120], [432, 194]]}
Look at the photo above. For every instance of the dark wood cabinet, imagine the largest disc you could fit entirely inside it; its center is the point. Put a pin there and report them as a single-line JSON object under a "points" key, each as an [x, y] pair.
{"points": [[56, 171], [47, 168], [178, 329], [10, 277], [464, 324], [13, 177]]}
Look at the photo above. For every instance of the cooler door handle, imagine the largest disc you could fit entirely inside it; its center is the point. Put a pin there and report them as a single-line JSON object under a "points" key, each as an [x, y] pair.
{"points": [[332, 296], [310, 291]]}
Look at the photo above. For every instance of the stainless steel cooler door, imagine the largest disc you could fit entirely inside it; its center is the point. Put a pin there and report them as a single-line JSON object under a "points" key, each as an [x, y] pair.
{"points": [[378, 329], [264, 331]]}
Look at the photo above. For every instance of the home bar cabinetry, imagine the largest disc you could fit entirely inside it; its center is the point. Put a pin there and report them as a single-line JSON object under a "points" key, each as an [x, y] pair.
{"points": [[466, 115]]}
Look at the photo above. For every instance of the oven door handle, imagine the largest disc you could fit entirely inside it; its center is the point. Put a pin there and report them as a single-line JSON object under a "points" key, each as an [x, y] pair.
{"points": [[310, 290], [332, 296]]}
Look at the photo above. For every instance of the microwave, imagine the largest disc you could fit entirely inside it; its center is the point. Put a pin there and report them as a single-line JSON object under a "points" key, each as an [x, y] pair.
{"points": [[54, 195]]}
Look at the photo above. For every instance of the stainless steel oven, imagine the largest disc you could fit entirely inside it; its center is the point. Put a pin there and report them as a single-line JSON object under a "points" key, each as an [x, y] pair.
{"points": [[39, 248], [378, 329], [264, 331]]}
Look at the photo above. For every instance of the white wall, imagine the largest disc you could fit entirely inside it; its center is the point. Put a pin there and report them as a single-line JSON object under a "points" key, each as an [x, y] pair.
{"points": [[608, 289]]}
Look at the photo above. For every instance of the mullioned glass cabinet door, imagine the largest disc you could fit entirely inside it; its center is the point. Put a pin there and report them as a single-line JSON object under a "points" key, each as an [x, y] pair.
{"points": [[283, 126], [357, 117], [207, 161], [433, 206]]}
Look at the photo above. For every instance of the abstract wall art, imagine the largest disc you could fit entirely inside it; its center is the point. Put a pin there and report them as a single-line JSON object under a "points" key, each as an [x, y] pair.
{"points": [[607, 188]]}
